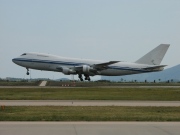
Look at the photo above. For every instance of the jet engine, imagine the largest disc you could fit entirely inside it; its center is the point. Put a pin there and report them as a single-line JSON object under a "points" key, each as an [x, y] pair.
{"points": [[66, 71], [88, 69]]}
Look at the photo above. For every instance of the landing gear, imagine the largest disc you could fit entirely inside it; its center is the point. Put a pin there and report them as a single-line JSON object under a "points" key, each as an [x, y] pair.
{"points": [[80, 77], [27, 71], [87, 77]]}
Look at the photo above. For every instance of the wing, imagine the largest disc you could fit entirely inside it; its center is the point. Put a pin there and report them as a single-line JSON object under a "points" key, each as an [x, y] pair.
{"points": [[101, 66], [90, 69], [96, 67]]}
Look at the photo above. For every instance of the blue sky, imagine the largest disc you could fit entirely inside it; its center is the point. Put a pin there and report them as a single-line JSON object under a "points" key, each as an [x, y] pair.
{"points": [[121, 30]]}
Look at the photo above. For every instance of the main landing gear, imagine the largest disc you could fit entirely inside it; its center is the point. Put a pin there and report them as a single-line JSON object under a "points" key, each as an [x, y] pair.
{"points": [[27, 71], [86, 77], [80, 77]]}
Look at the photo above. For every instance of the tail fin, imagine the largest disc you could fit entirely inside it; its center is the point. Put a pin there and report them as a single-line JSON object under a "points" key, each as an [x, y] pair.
{"points": [[155, 56]]}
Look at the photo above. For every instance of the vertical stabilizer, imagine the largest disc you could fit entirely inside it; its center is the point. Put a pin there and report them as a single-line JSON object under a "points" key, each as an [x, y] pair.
{"points": [[155, 56]]}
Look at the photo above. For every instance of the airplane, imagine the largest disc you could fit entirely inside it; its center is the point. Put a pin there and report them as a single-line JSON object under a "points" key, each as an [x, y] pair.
{"points": [[74, 66]]}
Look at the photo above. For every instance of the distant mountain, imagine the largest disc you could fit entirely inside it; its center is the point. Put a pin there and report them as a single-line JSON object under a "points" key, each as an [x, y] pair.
{"points": [[171, 74]]}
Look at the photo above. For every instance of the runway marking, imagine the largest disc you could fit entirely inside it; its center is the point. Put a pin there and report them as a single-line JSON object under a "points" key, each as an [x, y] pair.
{"points": [[43, 83], [88, 103]]}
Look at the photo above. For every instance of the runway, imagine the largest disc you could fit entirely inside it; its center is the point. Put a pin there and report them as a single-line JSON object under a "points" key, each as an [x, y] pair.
{"points": [[89, 128], [87, 103]]}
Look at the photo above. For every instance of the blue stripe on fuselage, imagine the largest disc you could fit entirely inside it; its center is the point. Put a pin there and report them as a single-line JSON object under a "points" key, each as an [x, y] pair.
{"points": [[77, 64]]}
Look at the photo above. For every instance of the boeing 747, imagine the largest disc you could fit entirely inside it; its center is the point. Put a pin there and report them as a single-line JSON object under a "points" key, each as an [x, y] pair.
{"points": [[40, 61]]}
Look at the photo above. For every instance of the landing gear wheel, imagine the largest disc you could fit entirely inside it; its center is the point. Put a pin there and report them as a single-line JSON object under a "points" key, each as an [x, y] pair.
{"points": [[87, 77], [80, 77], [27, 71]]}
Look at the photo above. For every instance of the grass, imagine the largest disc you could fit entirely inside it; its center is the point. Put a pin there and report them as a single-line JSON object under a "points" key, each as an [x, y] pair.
{"points": [[95, 84], [57, 113], [85, 84], [158, 94], [35, 83]]}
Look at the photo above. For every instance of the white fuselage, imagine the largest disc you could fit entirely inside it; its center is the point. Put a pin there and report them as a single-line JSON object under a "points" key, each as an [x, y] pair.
{"points": [[49, 62]]}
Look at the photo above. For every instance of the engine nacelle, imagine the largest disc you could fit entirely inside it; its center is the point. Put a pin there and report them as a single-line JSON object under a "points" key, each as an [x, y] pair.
{"points": [[88, 69], [66, 71]]}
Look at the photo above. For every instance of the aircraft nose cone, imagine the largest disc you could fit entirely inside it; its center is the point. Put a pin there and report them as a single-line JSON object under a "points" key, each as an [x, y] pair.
{"points": [[14, 60]]}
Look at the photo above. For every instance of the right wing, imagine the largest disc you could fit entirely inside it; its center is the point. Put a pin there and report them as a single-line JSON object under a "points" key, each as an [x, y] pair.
{"points": [[96, 67], [86, 68]]}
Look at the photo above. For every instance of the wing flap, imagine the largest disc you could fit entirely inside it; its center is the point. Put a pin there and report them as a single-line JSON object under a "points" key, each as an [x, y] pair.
{"points": [[104, 65]]}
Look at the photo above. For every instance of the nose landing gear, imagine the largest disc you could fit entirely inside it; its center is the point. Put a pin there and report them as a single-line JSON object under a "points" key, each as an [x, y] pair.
{"points": [[27, 71]]}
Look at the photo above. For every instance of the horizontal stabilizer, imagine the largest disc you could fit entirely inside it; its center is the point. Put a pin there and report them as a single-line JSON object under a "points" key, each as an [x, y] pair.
{"points": [[160, 67], [155, 56]]}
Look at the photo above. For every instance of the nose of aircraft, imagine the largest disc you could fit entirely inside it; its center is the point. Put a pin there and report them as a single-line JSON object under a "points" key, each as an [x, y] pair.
{"points": [[14, 60]]}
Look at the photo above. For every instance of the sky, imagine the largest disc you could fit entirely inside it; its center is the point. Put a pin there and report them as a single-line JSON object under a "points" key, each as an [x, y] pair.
{"points": [[122, 30]]}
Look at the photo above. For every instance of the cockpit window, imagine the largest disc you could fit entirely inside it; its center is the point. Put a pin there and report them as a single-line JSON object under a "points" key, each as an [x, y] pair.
{"points": [[23, 54]]}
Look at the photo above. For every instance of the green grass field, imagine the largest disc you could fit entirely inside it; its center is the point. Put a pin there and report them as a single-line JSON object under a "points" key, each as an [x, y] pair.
{"points": [[158, 94], [95, 84], [84, 84], [57, 113], [35, 83]]}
